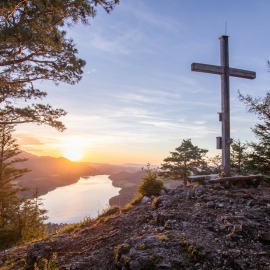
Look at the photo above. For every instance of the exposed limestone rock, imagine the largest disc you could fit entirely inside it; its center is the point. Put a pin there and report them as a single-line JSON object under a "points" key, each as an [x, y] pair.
{"points": [[145, 200], [193, 227]]}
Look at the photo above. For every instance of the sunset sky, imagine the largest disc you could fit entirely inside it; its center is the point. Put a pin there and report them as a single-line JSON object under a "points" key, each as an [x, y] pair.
{"points": [[138, 98]]}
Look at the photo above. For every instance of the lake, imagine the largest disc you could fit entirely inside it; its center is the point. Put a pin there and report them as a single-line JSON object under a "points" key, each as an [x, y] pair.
{"points": [[86, 198]]}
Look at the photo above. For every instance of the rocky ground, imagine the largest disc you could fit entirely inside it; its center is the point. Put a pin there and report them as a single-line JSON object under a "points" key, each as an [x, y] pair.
{"points": [[193, 227]]}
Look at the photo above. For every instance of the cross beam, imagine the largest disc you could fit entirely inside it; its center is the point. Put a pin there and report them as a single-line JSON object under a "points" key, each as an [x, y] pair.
{"points": [[235, 72], [225, 71]]}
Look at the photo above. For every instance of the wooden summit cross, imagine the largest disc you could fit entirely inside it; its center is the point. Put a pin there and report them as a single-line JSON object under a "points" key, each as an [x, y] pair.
{"points": [[225, 71]]}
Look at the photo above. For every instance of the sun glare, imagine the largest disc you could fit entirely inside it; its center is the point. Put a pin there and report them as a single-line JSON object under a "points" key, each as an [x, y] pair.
{"points": [[73, 147], [73, 154]]}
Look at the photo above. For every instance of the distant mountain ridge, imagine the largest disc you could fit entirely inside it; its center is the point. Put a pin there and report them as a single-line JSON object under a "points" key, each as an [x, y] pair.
{"points": [[48, 173]]}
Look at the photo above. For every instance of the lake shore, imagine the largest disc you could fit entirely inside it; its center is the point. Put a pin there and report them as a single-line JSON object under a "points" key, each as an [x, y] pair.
{"points": [[85, 199], [128, 182]]}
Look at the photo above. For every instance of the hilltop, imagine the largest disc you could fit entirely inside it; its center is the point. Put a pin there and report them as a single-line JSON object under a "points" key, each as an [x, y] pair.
{"points": [[190, 227]]}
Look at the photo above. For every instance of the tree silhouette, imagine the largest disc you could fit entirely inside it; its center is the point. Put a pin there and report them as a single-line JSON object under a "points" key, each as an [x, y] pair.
{"points": [[34, 47], [187, 159]]}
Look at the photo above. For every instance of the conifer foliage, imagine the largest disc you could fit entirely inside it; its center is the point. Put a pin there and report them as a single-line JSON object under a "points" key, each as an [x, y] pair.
{"points": [[20, 219], [259, 157], [187, 159], [34, 47], [239, 157]]}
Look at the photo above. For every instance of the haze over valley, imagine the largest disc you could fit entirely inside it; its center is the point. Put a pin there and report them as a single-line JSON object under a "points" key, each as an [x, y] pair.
{"points": [[49, 173]]}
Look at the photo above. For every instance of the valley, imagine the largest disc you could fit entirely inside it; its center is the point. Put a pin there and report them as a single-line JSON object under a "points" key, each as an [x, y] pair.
{"points": [[48, 173]]}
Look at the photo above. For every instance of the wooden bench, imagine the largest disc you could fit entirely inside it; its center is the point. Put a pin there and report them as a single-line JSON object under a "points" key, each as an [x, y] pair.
{"points": [[250, 180], [200, 178]]}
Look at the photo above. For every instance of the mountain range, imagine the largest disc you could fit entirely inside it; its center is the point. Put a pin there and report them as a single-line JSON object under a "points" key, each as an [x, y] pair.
{"points": [[47, 173]]}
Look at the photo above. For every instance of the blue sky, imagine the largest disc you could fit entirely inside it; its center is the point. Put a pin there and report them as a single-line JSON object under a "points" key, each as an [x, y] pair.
{"points": [[138, 98]]}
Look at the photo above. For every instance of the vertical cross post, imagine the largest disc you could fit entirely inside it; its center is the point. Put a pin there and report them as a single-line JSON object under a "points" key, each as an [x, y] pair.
{"points": [[225, 71], [225, 105]]}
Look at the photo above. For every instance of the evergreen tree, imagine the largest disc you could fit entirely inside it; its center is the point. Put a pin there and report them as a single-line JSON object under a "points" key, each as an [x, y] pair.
{"points": [[187, 159], [20, 219], [31, 219], [239, 157], [259, 157], [214, 164], [34, 47]]}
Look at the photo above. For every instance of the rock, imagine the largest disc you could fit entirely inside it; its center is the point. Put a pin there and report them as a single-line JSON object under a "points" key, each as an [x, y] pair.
{"points": [[199, 190], [219, 205], [163, 192], [264, 237], [170, 224], [134, 264], [154, 214], [192, 227], [161, 201], [171, 191], [159, 229], [145, 200], [210, 204]]}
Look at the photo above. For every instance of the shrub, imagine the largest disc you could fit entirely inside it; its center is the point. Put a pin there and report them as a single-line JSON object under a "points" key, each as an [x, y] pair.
{"points": [[127, 208], [110, 211], [150, 184], [136, 200]]}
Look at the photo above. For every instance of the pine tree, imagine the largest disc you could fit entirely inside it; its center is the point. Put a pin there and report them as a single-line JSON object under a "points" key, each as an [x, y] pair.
{"points": [[259, 157], [31, 219], [214, 164], [187, 159], [239, 157], [34, 46], [20, 219]]}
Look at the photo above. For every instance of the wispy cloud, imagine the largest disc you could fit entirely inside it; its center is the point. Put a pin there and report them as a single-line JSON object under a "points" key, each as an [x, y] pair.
{"points": [[91, 71], [28, 140], [139, 91], [146, 95], [145, 16]]}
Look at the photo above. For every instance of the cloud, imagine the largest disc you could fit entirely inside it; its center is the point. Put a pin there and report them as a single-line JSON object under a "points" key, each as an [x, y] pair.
{"points": [[28, 140], [129, 112], [91, 71], [122, 43], [146, 95], [161, 22], [199, 122]]}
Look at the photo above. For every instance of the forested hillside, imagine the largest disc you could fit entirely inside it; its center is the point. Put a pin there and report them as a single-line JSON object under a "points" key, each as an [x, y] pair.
{"points": [[48, 173]]}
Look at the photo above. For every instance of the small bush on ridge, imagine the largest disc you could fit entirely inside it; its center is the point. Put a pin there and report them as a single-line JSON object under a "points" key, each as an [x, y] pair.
{"points": [[150, 184]]}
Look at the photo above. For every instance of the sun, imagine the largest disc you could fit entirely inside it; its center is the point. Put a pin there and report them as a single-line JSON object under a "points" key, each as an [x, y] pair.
{"points": [[73, 154], [74, 147]]}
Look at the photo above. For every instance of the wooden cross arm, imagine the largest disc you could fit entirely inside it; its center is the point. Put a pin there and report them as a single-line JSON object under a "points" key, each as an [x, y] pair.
{"points": [[207, 68], [235, 72], [241, 73]]}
